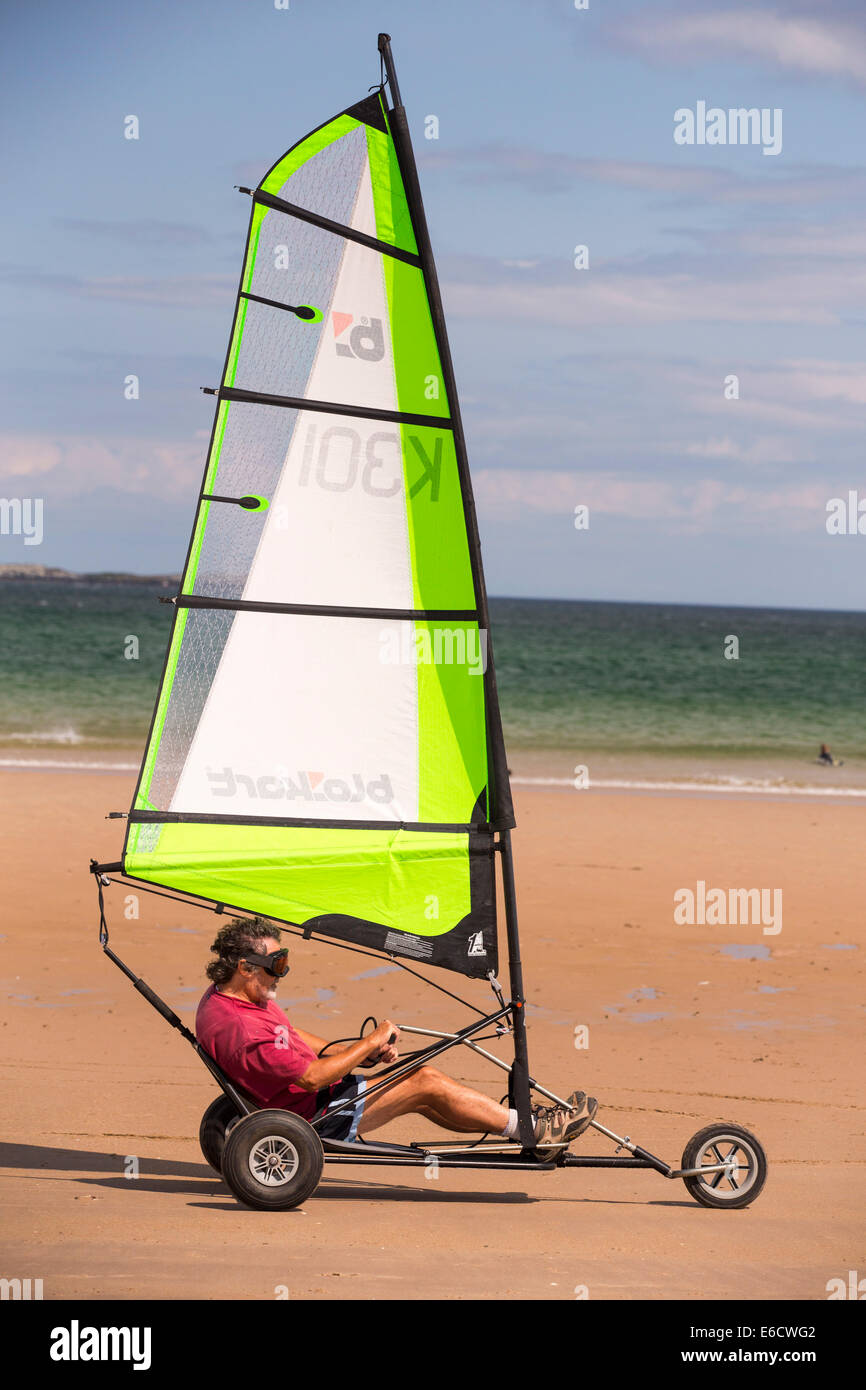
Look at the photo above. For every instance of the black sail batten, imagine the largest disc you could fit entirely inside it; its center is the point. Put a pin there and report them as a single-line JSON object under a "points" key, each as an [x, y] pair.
{"points": [[396, 417], [207, 818], [386, 248], [322, 610]]}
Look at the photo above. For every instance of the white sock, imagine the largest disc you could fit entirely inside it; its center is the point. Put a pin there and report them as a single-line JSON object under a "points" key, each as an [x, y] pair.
{"points": [[510, 1130]]}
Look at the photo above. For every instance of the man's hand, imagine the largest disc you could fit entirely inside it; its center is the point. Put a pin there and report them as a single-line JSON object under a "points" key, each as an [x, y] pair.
{"points": [[387, 1050], [366, 1052]]}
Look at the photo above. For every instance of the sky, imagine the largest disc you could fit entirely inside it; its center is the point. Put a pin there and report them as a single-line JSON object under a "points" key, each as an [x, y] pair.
{"points": [[601, 387]]}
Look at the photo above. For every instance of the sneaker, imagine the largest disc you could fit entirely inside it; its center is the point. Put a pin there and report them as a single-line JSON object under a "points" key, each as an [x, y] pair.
{"points": [[547, 1148], [567, 1124], [541, 1120]]}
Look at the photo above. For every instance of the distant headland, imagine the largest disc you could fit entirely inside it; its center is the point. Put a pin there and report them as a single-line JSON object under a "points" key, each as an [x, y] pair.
{"points": [[13, 571]]}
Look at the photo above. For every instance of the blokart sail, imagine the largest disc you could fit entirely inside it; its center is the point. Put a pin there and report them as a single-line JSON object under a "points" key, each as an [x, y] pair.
{"points": [[326, 748]]}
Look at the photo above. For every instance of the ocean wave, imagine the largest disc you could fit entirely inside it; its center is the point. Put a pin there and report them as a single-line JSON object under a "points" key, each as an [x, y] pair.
{"points": [[65, 737], [734, 785], [64, 765]]}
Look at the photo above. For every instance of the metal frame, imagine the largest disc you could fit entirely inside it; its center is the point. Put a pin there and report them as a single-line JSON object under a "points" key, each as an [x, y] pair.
{"points": [[495, 1153]]}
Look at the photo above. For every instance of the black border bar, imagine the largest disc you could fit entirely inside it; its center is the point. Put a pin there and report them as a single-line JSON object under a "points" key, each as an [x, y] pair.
{"points": [[309, 823], [322, 610], [361, 412], [349, 233]]}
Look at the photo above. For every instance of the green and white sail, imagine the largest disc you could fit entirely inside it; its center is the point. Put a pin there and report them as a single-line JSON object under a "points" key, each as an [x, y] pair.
{"points": [[326, 747]]}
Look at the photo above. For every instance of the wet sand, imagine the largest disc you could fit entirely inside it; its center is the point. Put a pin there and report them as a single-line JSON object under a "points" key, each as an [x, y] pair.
{"points": [[686, 1024]]}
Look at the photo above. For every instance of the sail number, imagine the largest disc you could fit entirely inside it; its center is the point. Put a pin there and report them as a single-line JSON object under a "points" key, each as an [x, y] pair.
{"points": [[339, 458]]}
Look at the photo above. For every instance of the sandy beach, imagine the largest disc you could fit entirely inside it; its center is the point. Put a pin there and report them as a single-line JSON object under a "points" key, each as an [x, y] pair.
{"points": [[686, 1024]]}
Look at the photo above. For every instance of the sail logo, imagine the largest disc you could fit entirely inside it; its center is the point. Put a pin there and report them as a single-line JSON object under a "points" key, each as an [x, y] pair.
{"points": [[366, 340], [476, 945], [306, 786]]}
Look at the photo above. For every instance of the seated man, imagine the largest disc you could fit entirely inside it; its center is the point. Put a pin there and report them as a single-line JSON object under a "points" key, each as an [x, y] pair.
{"points": [[252, 1040]]}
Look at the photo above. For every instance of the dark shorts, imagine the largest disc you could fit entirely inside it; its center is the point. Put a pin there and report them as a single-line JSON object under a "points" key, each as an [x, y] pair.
{"points": [[343, 1125]]}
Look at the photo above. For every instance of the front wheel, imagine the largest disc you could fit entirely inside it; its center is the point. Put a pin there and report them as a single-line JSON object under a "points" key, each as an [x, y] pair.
{"points": [[745, 1170], [272, 1160]]}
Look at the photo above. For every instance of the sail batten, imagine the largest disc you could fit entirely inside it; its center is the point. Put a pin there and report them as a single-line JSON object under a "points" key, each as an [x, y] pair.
{"points": [[326, 747], [387, 248], [232, 393]]}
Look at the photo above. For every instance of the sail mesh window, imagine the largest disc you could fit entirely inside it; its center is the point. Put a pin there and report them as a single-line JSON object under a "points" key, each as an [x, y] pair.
{"points": [[328, 182]]}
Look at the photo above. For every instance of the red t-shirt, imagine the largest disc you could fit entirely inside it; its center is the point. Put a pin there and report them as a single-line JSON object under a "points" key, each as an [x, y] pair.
{"points": [[258, 1049]]}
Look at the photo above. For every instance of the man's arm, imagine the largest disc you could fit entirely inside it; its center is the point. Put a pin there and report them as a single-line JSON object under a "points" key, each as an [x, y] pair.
{"points": [[325, 1070], [389, 1054]]}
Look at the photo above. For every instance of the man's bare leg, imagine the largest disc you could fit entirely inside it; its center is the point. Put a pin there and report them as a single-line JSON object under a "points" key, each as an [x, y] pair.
{"points": [[444, 1101]]}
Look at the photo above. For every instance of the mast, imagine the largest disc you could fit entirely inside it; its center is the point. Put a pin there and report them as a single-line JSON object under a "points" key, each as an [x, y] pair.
{"points": [[501, 795]]}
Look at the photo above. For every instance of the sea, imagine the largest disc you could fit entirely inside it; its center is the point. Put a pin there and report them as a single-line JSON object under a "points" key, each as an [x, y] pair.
{"points": [[618, 696]]}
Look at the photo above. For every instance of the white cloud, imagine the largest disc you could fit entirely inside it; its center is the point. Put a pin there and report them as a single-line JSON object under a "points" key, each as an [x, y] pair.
{"points": [[822, 45], [635, 296], [180, 291], [71, 464], [696, 505]]}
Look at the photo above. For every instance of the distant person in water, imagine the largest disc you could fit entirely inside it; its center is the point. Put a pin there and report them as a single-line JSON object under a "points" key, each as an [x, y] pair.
{"points": [[826, 757]]}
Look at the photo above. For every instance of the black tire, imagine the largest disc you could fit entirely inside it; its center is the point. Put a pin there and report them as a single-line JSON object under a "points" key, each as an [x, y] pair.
{"points": [[716, 1144], [212, 1130], [272, 1160]]}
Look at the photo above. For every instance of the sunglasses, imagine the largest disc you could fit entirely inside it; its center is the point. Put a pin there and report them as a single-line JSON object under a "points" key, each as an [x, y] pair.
{"points": [[276, 964]]}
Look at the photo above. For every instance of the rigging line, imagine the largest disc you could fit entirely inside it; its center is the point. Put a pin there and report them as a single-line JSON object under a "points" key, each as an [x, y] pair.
{"points": [[295, 929], [361, 412], [338, 228]]}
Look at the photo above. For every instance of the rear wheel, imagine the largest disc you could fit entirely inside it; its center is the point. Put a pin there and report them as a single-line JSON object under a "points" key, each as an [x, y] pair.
{"points": [[216, 1121], [272, 1160], [745, 1170]]}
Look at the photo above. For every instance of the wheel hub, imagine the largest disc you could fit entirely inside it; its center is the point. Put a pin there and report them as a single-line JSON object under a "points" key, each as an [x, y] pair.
{"points": [[274, 1160], [740, 1165]]}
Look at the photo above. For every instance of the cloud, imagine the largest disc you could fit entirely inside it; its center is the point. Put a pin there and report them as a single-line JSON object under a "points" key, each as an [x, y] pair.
{"points": [[692, 506], [180, 291], [821, 44], [140, 233], [653, 291], [550, 172], [60, 465]]}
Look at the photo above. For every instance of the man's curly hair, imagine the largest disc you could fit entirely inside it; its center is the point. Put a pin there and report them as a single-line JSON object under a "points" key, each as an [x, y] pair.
{"points": [[232, 944]]}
